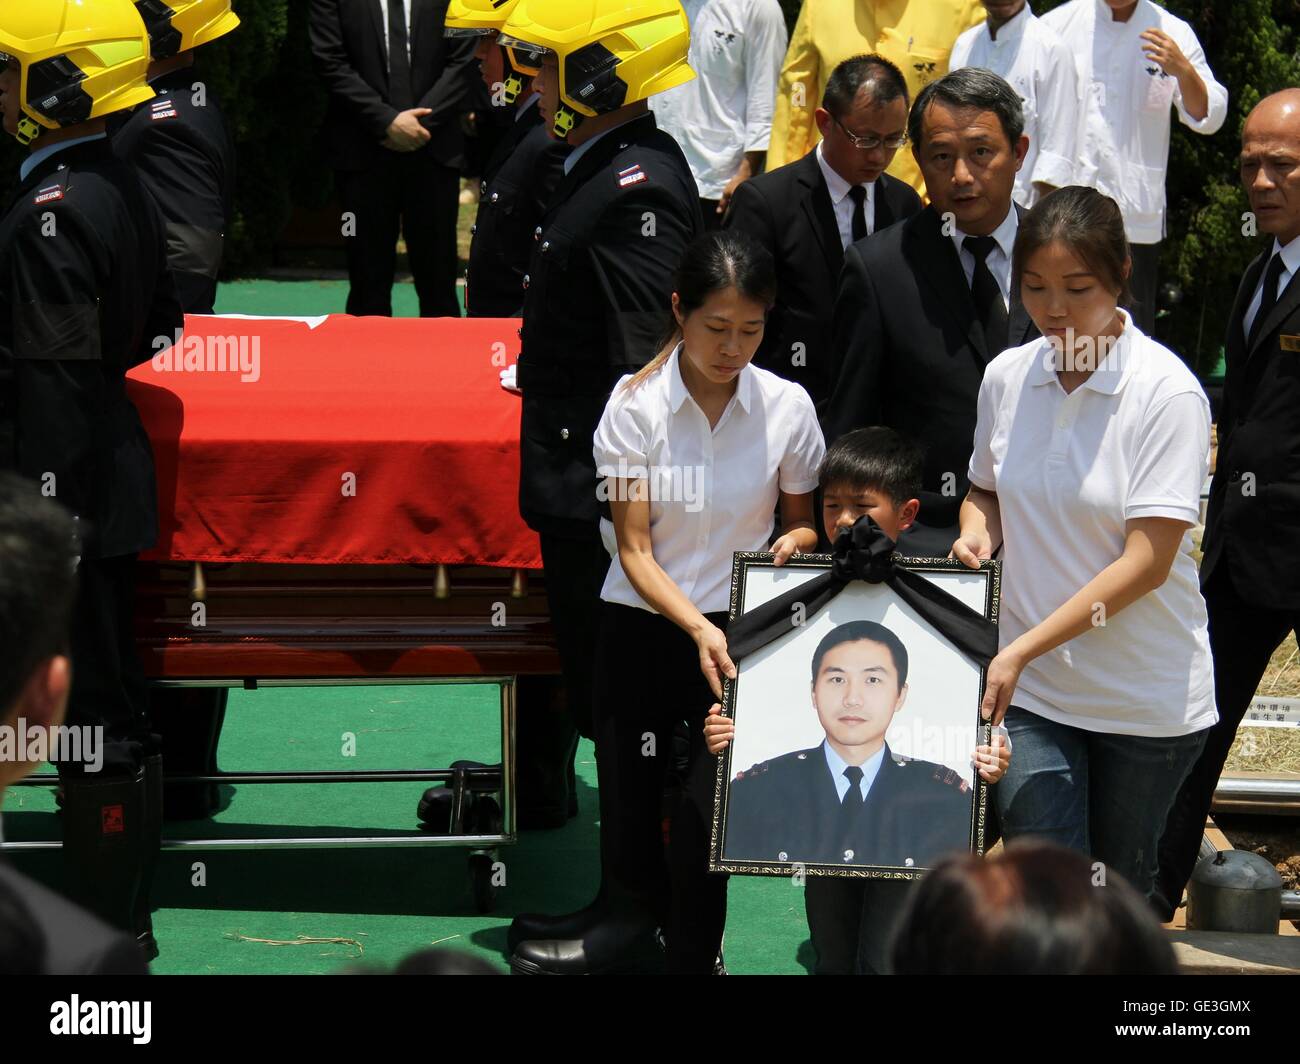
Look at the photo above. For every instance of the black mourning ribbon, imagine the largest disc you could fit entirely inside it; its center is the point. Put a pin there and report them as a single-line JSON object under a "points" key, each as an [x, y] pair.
{"points": [[864, 552]]}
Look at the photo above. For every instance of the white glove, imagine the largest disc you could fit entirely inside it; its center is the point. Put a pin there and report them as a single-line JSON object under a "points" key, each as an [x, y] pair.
{"points": [[508, 380]]}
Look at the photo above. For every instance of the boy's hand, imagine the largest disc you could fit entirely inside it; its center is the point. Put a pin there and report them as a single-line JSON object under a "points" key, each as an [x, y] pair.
{"points": [[718, 730], [785, 548], [971, 549], [993, 760]]}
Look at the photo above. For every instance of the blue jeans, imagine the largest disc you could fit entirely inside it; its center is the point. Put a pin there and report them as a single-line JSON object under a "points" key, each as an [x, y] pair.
{"points": [[1102, 794]]}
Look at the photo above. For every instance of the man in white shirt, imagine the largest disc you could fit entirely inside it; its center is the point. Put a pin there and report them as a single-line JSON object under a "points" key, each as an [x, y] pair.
{"points": [[1135, 60], [723, 118], [1015, 44]]}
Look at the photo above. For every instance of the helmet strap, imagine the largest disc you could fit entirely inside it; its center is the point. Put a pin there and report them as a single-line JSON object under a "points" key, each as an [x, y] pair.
{"points": [[512, 87], [28, 131], [566, 121]]}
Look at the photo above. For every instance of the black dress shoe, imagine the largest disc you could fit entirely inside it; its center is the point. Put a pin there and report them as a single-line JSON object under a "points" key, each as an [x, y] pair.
{"points": [[528, 927], [609, 947]]}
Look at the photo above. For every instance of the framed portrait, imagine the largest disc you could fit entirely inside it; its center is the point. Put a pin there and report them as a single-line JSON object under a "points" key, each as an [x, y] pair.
{"points": [[854, 730]]}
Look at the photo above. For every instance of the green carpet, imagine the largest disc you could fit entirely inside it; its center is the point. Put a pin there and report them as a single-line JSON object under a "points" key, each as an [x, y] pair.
{"points": [[211, 905], [389, 901], [307, 298]]}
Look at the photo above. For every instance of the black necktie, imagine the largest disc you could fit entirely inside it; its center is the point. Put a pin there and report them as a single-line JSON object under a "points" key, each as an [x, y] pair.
{"points": [[399, 61], [853, 797], [1267, 298], [858, 194], [989, 306]]}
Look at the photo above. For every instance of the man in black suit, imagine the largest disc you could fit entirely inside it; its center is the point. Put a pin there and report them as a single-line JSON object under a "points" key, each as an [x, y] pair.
{"points": [[807, 212], [41, 932], [924, 306], [850, 800], [1249, 573], [397, 90]]}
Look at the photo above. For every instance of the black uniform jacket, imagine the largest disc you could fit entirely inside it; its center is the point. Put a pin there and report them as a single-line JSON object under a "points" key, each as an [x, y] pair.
{"points": [[788, 210], [788, 810], [597, 305], [348, 45], [909, 352], [517, 183], [84, 295], [73, 941], [180, 146], [1252, 524]]}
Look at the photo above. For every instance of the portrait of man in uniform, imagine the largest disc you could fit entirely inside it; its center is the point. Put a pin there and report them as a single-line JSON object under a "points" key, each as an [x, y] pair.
{"points": [[851, 799]]}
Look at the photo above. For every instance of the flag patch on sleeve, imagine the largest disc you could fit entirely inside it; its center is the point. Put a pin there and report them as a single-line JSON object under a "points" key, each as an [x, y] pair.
{"points": [[631, 175], [162, 109], [49, 194]]}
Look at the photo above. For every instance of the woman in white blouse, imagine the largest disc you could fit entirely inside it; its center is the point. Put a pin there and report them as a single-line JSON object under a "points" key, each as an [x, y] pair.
{"points": [[1091, 447], [695, 451]]}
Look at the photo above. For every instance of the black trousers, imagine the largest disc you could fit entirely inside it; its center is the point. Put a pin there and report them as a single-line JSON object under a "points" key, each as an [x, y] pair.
{"points": [[108, 682], [414, 194], [852, 922], [575, 572], [648, 680], [1142, 283], [1242, 639]]}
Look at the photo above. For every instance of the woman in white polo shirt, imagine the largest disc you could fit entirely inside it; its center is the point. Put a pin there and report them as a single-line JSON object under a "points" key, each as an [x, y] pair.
{"points": [[1091, 447], [696, 449]]}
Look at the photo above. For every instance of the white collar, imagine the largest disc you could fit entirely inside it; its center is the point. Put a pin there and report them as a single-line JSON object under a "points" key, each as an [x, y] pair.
{"points": [[837, 764], [677, 390], [1013, 29], [1106, 18], [1109, 377], [1004, 234], [836, 185], [1290, 255]]}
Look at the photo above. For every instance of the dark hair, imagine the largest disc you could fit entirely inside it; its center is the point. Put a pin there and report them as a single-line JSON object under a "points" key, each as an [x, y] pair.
{"points": [[37, 583], [721, 258], [970, 87], [883, 81], [1085, 221], [851, 633], [1034, 909], [875, 458]]}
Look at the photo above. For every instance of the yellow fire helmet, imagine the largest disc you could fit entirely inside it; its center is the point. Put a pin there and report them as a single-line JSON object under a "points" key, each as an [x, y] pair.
{"points": [[610, 52], [179, 25], [79, 59], [484, 18]]}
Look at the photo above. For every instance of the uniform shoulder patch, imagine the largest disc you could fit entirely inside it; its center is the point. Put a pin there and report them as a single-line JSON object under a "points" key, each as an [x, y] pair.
{"points": [[161, 109], [631, 175], [951, 778], [53, 189], [755, 770]]}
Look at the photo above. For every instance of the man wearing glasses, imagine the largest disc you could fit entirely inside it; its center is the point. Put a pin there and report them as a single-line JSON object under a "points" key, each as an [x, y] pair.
{"points": [[808, 212]]}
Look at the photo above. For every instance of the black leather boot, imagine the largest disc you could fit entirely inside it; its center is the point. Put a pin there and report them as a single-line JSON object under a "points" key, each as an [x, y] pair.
{"points": [[104, 833], [618, 942], [529, 926], [142, 919]]}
